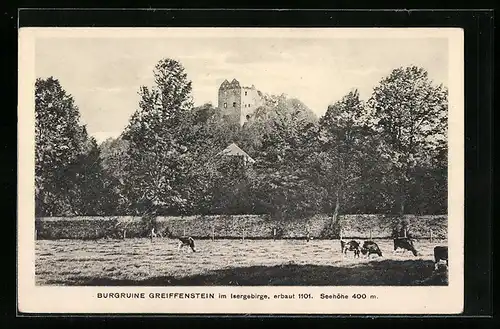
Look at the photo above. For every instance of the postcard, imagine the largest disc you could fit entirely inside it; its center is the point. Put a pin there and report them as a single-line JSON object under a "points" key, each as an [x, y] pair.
{"points": [[241, 170]]}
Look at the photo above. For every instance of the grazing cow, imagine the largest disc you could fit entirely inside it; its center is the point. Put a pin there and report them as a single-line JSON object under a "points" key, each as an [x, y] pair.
{"points": [[440, 253], [405, 244], [370, 247], [350, 246], [186, 241]]}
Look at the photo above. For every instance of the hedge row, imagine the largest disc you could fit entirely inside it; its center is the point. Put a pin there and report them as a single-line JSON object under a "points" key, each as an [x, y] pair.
{"points": [[236, 226]]}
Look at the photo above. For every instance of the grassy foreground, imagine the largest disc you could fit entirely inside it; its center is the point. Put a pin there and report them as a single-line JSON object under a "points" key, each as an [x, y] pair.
{"points": [[140, 262]]}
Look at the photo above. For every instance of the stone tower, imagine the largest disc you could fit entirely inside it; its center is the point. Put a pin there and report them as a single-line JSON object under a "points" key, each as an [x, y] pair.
{"points": [[238, 103]]}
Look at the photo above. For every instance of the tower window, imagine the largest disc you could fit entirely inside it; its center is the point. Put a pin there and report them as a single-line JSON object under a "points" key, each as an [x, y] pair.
{"points": [[234, 104], [225, 105], [245, 93]]}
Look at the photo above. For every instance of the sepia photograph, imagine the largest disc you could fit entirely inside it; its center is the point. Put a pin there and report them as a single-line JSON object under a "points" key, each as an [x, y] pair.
{"points": [[242, 158]]}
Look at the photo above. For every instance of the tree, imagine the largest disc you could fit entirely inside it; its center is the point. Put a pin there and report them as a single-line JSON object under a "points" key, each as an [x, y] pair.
{"points": [[93, 191], [114, 158], [286, 191], [410, 113], [230, 189], [59, 141], [344, 142], [281, 183], [206, 131], [275, 116], [158, 155], [206, 134]]}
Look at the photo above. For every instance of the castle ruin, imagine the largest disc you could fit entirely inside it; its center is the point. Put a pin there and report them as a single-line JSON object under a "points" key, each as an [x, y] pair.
{"points": [[237, 103]]}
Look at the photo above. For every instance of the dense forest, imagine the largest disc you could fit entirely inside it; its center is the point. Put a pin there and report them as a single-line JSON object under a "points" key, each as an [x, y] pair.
{"points": [[386, 155]]}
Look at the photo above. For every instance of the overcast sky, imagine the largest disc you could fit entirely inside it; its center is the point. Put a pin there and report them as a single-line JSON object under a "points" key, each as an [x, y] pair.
{"points": [[104, 74]]}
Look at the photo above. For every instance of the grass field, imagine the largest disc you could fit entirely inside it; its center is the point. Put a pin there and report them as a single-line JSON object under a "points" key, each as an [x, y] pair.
{"points": [[141, 262]]}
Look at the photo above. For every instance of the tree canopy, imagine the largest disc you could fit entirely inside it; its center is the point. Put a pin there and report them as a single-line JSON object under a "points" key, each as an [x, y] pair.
{"points": [[410, 114], [385, 155], [68, 174]]}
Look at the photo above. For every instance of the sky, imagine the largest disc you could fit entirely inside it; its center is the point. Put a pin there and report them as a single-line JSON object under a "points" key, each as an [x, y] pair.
{"points": [[104, 74]]}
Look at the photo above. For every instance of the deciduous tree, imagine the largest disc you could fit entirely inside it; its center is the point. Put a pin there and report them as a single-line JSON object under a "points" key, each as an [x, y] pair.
{"points": [[60, 140]]}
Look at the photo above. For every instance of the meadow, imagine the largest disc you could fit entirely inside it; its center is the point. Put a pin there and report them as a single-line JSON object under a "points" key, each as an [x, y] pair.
{"points": [[145, 262]]}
